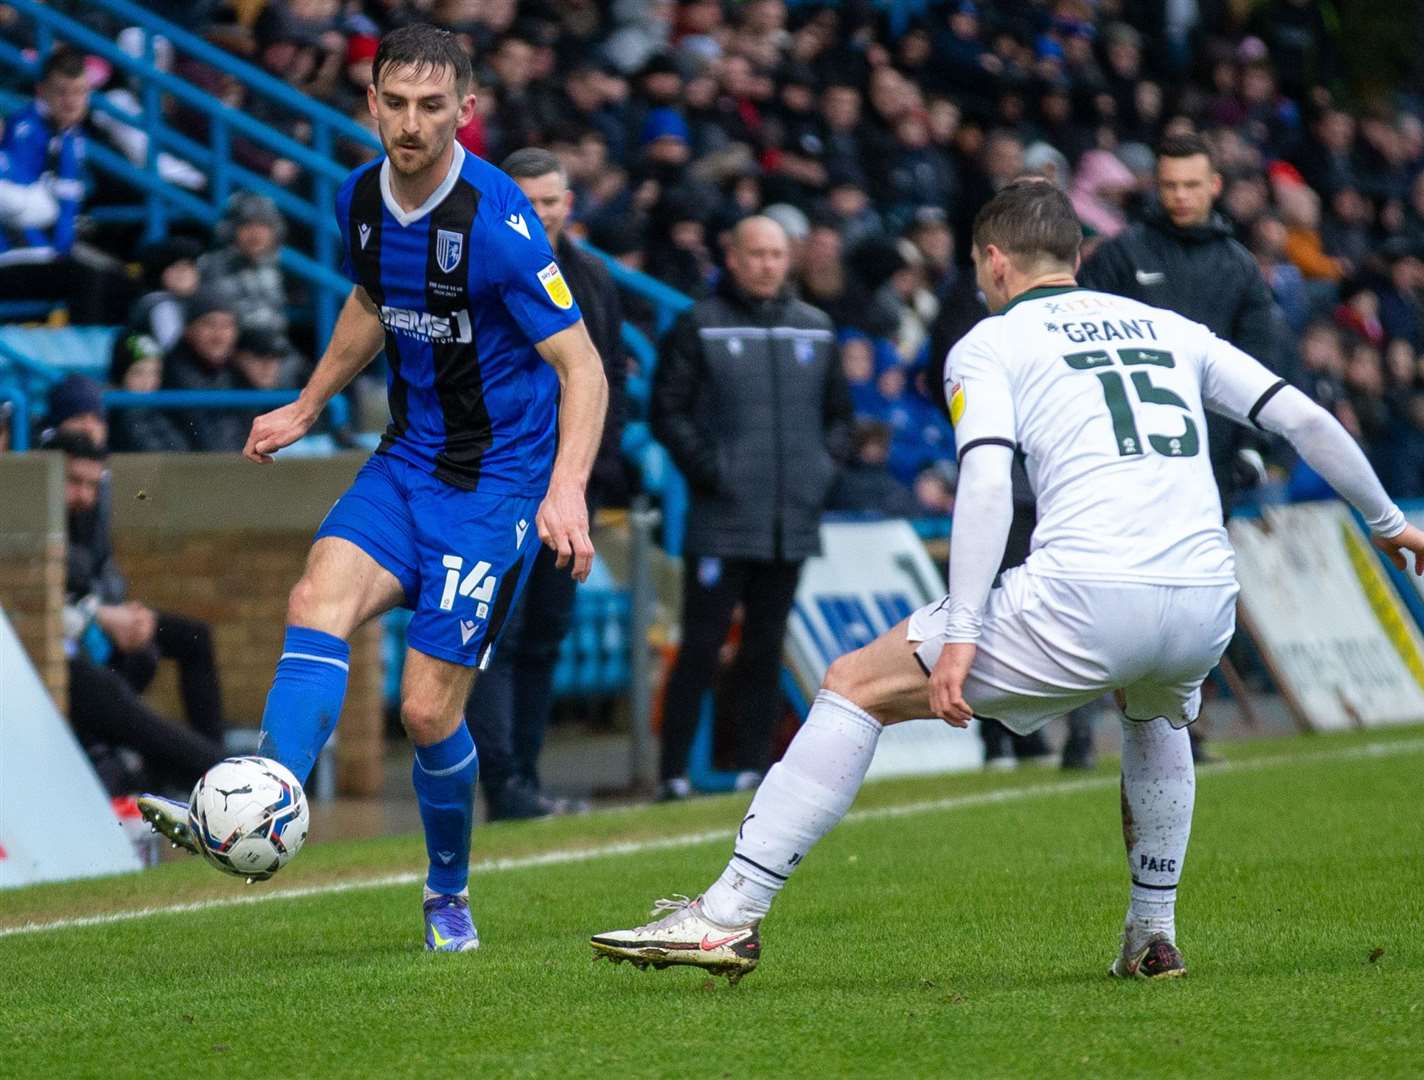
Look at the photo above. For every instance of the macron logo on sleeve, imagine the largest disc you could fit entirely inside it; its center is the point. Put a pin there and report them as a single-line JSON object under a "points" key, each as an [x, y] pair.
{"points": [[516, 222]]}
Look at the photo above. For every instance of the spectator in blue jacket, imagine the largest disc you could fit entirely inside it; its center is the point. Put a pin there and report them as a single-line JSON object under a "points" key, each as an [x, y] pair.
{"points": [[41, 191]]}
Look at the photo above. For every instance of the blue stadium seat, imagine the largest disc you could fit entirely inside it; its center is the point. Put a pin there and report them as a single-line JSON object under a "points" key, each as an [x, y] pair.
{"points": [[593, 657], [65, 349]]}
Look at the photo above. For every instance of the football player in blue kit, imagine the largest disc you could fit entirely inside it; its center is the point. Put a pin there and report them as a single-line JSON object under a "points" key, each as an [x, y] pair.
{"points": [[497, 400]]}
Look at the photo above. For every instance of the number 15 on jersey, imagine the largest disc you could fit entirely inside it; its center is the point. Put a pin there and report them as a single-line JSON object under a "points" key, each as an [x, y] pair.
{"points": [[1124, 420]]}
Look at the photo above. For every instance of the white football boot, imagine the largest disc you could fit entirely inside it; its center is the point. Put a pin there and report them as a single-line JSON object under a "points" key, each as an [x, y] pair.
{"points": [[684, 936], [169, 817], [1147, 956]]}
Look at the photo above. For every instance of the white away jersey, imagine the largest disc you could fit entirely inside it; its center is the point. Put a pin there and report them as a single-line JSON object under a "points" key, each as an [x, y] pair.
{"points": [[1104, 396]]}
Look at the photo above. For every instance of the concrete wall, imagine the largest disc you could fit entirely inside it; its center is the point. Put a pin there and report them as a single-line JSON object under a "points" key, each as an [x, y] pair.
{"points": [[223, 539], [32, 562]]}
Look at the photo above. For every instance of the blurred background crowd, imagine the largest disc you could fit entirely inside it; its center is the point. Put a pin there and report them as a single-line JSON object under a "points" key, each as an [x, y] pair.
{"points": [[872, 134]]}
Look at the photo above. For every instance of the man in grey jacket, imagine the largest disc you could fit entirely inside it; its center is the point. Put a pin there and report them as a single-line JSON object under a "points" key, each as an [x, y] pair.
{"points": [[750, 401]]}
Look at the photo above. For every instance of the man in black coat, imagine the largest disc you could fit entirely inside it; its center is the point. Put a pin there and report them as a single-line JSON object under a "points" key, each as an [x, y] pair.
{"points": [[1182, 257], [509, 706], [751, 403]]}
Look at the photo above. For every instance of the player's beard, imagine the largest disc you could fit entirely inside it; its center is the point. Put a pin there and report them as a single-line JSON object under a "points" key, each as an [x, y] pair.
{"points": [[416, 163]]}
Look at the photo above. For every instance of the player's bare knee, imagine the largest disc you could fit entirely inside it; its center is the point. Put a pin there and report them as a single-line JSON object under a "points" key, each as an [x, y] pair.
{"points": [[303, 604], [424, 721], [309, 605]]}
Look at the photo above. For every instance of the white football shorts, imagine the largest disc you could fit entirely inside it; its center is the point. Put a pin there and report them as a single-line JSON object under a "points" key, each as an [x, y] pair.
{"points": [[1049, 645]]}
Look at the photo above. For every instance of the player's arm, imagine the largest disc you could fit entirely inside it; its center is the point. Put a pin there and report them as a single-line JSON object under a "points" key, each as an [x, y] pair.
{"points": [[1235, 385], [981, 406], [355, 340], [562, 520]]}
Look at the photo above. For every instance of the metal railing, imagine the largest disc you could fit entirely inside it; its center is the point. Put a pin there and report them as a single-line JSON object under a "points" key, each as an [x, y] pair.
{"points": [[324, 173], [19, 417], [321, 170], [338, 412]]}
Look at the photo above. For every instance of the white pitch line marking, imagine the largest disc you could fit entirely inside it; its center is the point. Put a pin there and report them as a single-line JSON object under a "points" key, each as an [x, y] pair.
{"points": [[565, 856]]}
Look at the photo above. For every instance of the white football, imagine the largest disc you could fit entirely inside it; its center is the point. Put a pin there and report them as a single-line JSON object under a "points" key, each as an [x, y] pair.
{"points": [[249, 816]]}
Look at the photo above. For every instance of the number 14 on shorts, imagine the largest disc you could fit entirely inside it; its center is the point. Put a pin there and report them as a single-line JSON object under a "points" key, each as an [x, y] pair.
{"points": [[478, 584]]}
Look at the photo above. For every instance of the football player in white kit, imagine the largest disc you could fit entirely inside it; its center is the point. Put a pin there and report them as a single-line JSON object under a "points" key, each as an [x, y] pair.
{"points": [[1130, 585]]}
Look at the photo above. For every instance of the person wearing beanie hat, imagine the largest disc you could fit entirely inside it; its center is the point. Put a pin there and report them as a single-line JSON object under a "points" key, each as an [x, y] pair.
{"points": [[251, 231], [136, 365], [666, 138], [76, 406], [207, 300], [260, 360], [202, 360]]}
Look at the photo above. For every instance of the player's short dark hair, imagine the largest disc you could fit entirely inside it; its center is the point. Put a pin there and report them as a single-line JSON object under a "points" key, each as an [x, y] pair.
{"points": [[74, 444], [1185, 146], [1030, 220], [533, 161], [63, 61], [424, 49]]}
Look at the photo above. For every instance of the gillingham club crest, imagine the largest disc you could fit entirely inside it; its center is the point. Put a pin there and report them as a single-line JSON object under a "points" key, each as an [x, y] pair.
{"points": [[449, 245]]}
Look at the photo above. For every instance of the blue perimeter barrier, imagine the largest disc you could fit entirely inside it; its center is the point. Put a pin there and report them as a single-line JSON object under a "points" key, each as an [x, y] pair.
{"points": [[338, 412]]}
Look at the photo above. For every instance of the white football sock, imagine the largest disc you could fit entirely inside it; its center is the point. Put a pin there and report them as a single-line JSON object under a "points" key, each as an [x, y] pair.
{"points": [[1158, 790], [802, 798]]}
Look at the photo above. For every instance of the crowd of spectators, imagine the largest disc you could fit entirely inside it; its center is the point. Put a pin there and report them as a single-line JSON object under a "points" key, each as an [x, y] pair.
{"points": [[872, 134]]}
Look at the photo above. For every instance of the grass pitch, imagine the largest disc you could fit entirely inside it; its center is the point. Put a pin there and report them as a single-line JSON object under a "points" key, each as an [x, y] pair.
{"points": [[956, 926]]}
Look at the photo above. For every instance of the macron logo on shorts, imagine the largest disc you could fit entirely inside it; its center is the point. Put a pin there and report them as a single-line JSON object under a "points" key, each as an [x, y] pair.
{"points": [[467, 630]]}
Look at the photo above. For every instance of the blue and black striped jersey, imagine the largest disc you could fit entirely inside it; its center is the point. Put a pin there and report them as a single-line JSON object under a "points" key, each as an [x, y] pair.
{"points": [[466, 284]]}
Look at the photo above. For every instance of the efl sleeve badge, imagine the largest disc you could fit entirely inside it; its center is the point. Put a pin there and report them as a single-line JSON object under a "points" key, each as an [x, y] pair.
{"points": [[956, 403], [554, 284]]}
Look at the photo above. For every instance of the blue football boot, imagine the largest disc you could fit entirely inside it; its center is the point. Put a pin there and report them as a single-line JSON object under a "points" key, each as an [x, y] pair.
{"points": [[448, 926]]}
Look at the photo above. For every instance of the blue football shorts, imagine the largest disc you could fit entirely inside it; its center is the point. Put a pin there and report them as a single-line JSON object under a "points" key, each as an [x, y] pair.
{"points": [[462, 557]]}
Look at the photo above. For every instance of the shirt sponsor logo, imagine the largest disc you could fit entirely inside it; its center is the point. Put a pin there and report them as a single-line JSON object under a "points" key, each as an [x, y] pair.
{"points": [[554, 284], [1150, 277], [428, 327]]}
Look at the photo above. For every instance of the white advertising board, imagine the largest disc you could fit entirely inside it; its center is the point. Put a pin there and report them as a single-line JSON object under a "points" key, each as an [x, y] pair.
{"points": [[55, 819], [1315, 598], [869, 577]]}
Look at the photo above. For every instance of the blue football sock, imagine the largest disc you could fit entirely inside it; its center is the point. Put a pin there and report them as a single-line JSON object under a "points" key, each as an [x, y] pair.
{"points": [[444, 776], [305, 700]]}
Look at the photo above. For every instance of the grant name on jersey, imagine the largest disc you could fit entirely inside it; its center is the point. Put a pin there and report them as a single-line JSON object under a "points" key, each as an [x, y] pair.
{"points": [[1109, 330]]}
